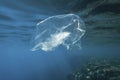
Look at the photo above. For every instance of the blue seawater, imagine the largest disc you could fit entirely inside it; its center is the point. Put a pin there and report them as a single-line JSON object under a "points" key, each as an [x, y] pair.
{"points": [[18, 19]]}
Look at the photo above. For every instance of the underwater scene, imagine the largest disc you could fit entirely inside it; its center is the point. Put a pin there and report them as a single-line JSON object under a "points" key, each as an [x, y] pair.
{"points": [[59, 39]]}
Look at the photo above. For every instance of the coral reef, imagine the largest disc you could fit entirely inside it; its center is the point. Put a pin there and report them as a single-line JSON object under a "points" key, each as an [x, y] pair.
{"points": [[98, 70]]}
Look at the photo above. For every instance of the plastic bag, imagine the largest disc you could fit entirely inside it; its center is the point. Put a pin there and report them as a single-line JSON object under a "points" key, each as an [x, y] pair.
{"points": [[61, 30]]}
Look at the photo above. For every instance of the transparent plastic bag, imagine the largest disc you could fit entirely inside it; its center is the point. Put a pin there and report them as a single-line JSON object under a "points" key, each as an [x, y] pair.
{"points": [[61, 30]]}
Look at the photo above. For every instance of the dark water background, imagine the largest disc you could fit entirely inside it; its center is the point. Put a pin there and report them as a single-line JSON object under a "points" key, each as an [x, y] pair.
{"points": [[18, 19]]}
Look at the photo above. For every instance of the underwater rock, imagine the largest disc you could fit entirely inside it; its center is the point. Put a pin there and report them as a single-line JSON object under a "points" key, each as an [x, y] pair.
{"points": [[98, 70]]}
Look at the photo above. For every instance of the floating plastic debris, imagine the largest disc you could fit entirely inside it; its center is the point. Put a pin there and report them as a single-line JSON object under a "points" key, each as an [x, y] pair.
{"points": [[61, 30]]}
